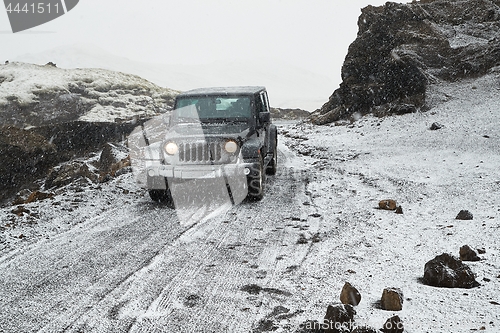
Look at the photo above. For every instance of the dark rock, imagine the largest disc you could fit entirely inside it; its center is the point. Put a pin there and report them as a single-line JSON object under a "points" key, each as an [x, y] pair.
{"points": [[387, 204], [110, 155], [436, 126], [339, 318], [69, 172], [468, 254], [265, 325], [350, 295], [401, 48], [113, 159], [481, 251], [399, 210], [393, 325], [464, 215], [447, 271], [392, 299]]}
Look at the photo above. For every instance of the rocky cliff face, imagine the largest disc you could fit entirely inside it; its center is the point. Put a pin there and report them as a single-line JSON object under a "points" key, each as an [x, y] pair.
{"points": [[402, 48], [51, 115]]}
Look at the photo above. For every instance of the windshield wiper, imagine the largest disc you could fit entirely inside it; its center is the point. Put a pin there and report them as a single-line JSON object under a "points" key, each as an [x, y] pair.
{"points": [[231, 120]]}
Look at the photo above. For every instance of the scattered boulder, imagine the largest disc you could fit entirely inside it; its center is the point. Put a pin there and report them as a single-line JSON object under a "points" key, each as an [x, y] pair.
{"points": [[113, 159], [464, 215], [468, 254], [447, 271], [68, 172], [393, 325], [110, 155], [388, 204], [392, 299], [339, 318], [350, 295], [436, 126], [481, 251], [399, 210]]}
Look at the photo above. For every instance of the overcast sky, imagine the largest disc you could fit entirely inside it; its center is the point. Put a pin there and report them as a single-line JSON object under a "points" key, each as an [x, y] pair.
{"points": [[311, 34]]}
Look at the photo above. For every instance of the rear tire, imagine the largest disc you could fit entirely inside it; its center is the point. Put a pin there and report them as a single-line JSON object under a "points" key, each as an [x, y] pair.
{"points": [[273, 163]]}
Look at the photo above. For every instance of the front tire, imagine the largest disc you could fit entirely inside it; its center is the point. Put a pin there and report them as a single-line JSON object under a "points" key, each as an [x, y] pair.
{"points": [[256, 182], [162, 196]]}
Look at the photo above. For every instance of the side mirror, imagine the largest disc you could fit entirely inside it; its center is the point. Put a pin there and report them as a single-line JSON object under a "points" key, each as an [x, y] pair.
{"points": [[265, 117]]}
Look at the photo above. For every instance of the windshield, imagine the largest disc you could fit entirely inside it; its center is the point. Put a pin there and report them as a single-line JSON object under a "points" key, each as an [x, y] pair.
{"points": [[212, 109]]}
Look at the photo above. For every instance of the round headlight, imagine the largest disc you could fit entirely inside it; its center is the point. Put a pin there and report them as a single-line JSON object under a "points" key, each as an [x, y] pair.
{"points": [[171, 148], [231, 147]]}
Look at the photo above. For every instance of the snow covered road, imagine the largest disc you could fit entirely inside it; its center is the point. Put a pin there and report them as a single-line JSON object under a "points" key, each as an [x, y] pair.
{"points": [[133, 267]]}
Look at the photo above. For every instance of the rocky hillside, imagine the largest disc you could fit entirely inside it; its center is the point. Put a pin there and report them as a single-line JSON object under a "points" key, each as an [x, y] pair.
{"points": [[401, 49], [51, 115], [288, 114]]}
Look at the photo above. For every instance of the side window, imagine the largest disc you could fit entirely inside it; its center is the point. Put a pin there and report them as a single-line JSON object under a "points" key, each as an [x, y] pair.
{"points": [[264, 102]]}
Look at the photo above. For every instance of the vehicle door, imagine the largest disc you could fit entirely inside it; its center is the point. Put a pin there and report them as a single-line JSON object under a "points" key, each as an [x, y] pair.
{"points": [[263, 127]]}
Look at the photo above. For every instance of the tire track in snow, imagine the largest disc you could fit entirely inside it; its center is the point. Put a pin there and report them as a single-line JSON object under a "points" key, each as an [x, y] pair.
{"points": [[53, 282]]}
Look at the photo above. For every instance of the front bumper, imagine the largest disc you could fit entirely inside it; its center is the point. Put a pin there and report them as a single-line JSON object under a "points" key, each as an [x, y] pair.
{"points": [[184, 172]]}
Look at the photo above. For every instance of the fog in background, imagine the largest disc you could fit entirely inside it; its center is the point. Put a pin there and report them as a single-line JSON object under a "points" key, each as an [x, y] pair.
{"points": [[295, 48]]}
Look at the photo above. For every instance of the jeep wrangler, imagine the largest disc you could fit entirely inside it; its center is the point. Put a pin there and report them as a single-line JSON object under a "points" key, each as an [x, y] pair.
{"points": [[221, 133]]}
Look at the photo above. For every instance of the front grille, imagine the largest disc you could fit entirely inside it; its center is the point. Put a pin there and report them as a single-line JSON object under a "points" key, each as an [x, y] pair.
{"points": [[200, 152]]}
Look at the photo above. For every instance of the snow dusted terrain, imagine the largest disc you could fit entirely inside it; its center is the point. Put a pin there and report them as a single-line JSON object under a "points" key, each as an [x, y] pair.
{"points": [[104, 258], [96, 94]]}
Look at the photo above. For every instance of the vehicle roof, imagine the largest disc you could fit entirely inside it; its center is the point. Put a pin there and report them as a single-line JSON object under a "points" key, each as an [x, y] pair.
{"points": [[241, 90]]}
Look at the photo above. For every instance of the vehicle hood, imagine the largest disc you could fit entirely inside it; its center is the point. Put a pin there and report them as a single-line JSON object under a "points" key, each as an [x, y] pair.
{"points": [[200, 130]]}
